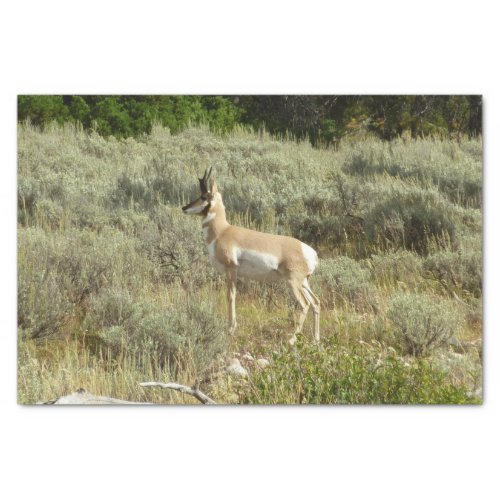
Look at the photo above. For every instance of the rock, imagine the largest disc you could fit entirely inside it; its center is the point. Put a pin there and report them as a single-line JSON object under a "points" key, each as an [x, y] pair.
{"points": [[262, 363], [478, 393], [235, 368]]}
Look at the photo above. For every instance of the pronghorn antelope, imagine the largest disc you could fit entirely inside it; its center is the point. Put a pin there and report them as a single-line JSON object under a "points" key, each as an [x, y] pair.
{"points": [[237, 251]]}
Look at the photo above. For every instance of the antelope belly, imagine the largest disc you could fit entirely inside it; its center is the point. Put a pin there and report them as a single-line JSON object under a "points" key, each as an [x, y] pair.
{"points": [[256, 265]]}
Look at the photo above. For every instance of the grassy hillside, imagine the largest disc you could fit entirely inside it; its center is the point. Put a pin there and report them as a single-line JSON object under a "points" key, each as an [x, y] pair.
{"points": [[115, 286]]}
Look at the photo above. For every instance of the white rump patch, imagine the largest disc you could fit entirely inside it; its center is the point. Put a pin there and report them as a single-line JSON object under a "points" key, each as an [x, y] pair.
{"points": [[310, 256], [256, 265]]}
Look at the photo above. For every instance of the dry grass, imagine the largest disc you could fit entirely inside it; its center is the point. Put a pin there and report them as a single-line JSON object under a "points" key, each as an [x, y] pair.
{"points": [[107, 262]]}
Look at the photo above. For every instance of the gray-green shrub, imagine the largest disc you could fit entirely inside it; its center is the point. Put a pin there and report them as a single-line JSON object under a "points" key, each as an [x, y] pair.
{"points": [[330, 214], [174, 244], [411, 218], [462, 270], [455, 168], [344, 281], [58, 271], [134, 323], [401, 265], [421, 324], [104, 216]]}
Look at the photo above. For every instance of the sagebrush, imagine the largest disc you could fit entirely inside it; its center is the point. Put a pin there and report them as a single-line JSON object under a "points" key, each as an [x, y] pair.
{"points": [[112, 275]]}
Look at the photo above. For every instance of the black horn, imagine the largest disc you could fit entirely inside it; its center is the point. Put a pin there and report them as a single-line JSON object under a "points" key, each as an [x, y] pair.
{"points": [[204, 181]]}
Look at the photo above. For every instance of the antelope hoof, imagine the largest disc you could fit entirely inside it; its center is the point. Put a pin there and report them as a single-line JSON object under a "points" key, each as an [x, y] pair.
{"points": [[232, 328], [292, 340]]}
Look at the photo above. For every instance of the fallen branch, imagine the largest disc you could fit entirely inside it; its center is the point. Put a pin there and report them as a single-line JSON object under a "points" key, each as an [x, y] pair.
{"points": [[182, 388], [81, 397]]}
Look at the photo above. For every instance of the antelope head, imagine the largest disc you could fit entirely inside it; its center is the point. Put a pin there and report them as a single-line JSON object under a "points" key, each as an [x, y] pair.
{"points": [[208, 189]]}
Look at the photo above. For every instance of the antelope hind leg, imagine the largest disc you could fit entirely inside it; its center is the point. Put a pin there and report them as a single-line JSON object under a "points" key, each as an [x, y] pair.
{"points": [[313, 300], [304, 306]]}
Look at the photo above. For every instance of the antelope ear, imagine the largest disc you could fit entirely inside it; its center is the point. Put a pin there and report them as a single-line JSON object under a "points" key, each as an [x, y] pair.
{"points": [[213, 187]]}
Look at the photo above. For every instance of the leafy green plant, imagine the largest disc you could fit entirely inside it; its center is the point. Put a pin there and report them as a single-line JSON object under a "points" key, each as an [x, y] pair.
{"points": [[332, 374], [320, 119]]}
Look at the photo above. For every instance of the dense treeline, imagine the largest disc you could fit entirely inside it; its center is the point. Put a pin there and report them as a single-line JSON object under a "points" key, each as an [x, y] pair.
{"points": [[125, 116], [329, 118], [323, 119]]}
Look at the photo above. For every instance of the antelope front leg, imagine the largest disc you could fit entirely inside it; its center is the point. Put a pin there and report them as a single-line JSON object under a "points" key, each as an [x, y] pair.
{"points": [[231, 300]]}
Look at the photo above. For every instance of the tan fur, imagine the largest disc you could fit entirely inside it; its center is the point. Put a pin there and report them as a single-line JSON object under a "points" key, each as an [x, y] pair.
{"points": [[222, 239]]}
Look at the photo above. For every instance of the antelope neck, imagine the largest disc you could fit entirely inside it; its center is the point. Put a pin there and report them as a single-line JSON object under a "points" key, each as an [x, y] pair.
{"points": [[214, 223]]}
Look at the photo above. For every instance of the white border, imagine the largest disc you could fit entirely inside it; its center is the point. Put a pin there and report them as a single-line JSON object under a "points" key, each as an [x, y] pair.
{"points": [[258, 47]]}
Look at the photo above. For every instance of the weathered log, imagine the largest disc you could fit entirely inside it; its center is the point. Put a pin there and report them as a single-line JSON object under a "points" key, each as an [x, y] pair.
{"points": [[200, 396], [81, 397]]}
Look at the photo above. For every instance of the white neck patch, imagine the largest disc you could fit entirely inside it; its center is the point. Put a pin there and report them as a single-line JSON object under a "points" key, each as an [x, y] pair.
{"points": [[210, 216]]}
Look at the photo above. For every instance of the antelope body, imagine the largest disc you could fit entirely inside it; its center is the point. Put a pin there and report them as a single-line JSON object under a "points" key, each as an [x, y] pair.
{"points": [[237, 251]]}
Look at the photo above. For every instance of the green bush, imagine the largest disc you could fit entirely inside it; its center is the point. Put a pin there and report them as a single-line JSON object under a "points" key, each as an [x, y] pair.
{"points": [[125, 116], [332, 374], [422, 324], [320, 119], [41, 109]]}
